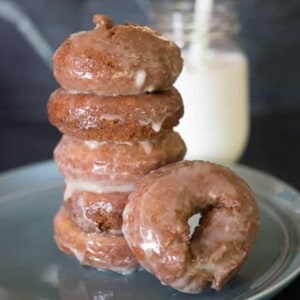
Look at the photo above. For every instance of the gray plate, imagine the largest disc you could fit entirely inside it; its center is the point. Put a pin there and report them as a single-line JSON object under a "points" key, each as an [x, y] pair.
{"points": [[32, 268]]}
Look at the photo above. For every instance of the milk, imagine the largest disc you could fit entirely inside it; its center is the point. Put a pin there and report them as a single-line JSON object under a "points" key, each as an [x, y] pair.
{"points": [[214, 88]]}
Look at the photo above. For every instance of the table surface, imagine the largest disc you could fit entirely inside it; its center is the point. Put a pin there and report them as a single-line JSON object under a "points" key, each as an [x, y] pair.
{"points": [[274, 147]]}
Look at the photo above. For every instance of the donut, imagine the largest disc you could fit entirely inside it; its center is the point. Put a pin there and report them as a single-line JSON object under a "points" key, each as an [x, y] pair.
{"points": [[120, 118], [116, 161], [97, 250], [155, 224], [94, 212], [112, 60]]}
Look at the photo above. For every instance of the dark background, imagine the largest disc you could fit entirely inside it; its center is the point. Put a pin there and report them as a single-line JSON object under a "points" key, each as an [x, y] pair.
{"points": [[270, 31], [269, 35]]}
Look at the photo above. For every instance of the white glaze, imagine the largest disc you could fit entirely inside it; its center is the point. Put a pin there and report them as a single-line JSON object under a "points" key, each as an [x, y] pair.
{"points": [[150, 242], [73, 92], [81, 205], [139, 78], [155, 125], [94, 144], [128, 143], [105, 206], [83, 75], [91, 144], [110, 117], [150, 88], [78, 33], [100, 187], [147, 146]]}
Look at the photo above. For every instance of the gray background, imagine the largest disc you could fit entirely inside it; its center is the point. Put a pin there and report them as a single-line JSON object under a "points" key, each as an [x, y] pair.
{"points": [[269, 35]]}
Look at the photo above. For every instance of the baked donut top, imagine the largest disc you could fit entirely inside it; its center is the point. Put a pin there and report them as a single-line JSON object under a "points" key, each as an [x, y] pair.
{"points": [[114, 60]]}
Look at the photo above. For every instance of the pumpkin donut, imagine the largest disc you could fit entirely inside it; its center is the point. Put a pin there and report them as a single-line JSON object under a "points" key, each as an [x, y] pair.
{"points": [[121, 118], [116, 161], [155, 224], [112, 60], [97, 250]]}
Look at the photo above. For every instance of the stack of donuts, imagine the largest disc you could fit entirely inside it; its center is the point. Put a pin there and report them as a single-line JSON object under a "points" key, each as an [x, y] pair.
{"points": [[128, 196], [116, 109]]}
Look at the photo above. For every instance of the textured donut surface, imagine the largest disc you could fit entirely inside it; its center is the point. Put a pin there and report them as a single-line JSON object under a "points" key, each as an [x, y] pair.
{"points": [[110, 60], [116, 161], [97, 250], [120, 118], [155, 224], [94, 212]]}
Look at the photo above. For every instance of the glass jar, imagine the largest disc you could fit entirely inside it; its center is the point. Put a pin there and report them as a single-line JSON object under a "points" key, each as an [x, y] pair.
{"points": [[214, 80]]}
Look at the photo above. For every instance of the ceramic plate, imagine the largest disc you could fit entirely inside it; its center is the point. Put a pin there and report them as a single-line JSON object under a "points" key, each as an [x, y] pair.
{"points": [[31, 267]]}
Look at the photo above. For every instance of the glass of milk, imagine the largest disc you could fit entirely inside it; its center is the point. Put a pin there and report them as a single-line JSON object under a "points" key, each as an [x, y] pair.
{"points": [[214, 80]]}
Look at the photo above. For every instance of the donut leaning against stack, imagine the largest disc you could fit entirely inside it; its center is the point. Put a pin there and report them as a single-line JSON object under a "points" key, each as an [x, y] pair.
{"points": [[116, 108]]}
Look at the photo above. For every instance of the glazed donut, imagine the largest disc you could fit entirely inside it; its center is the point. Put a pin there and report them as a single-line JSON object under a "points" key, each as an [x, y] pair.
{"points": [[116, 161], [93, 212], [93, 249], [155, 224], [113, 60], [120, 118]]}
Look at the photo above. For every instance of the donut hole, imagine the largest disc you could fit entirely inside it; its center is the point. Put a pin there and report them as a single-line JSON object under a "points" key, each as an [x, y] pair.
{"points": [[194, 222]]}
